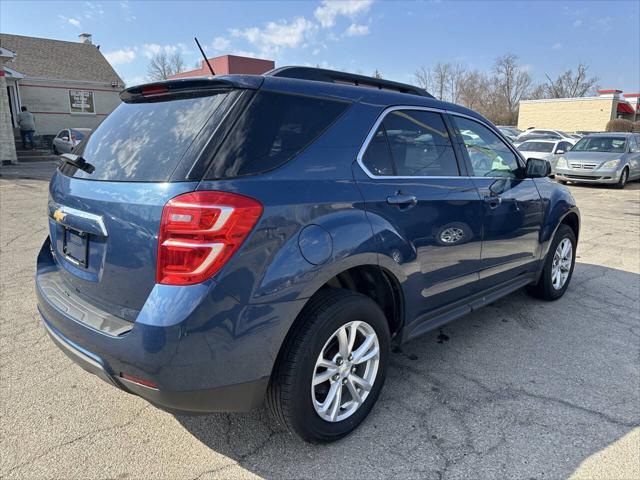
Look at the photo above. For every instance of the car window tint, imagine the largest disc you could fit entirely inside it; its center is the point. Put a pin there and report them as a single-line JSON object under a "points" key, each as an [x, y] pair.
{"points": [[488, 154], [272, 130], [532, 146], [566, 146], [145, 141], [420, 144], [377, 158], [63, 133]]}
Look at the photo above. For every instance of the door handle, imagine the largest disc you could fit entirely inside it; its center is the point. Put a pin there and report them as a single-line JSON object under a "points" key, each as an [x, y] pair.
{"points": [[402, 199], [493, 200]]}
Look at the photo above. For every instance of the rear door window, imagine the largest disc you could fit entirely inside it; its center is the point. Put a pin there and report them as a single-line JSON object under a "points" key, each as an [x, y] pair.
{"points": [[420, 144], [272, 130], [144, 142]]}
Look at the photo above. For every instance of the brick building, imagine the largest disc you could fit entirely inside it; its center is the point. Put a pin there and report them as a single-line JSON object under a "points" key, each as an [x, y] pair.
{"points": [[227, 64], [579, 114]]}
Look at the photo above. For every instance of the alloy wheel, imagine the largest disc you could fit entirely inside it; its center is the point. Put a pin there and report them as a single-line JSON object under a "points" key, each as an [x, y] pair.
{"points": [[345, 371], [561, 266]]}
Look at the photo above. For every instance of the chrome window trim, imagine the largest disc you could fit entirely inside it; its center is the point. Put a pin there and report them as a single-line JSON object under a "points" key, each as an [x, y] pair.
{"points": [[387, 111]]}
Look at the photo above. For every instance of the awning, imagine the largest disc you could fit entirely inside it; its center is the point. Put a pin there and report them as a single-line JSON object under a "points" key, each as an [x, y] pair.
{"points": [[624, 107]]}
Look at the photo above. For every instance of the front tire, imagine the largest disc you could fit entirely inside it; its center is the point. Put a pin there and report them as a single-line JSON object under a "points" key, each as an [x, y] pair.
{"points": [[624, 176], [558, 266], [332, 366]]}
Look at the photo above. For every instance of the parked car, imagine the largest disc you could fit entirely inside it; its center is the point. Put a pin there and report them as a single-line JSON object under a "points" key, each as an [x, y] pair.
{"points": [[538, 134], [67, 139], [510, 132], [610, 158], [549, 150], [274, 235]]}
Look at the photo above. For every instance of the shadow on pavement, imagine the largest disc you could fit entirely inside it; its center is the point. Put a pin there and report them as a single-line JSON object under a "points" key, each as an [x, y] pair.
{"points": [[520, 389]]}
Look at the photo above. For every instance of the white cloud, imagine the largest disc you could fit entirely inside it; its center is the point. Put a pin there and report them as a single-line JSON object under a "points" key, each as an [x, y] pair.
{"points": [[127, 11], [276, 36], [150, 50], [355, 30], [121, 57], [135, 80], [70, 20], [329, 10], [220, 43], [93, 9], [557, 46], [577, 23]]}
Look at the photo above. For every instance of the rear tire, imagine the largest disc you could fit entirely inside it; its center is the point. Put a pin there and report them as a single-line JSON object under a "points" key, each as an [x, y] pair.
{"points": [[558, 268], [624, 176], [563, 182], [292, 397]]}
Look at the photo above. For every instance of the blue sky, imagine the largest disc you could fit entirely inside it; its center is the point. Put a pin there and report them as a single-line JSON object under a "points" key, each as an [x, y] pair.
{"points": [[394, 37]]}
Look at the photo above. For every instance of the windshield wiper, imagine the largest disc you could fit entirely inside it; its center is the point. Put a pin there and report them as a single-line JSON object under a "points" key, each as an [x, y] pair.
{"points": [[78, 162]]}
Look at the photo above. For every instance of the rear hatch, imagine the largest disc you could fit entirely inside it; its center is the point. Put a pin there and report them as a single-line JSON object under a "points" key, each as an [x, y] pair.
{"points": [[105, 205]]}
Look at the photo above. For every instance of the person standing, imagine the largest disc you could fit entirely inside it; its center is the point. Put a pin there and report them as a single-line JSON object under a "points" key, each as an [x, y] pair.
{"points": [[27, 127]]}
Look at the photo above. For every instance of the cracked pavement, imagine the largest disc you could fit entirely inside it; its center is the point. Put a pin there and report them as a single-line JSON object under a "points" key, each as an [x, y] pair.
{"points": [[521, 389]]}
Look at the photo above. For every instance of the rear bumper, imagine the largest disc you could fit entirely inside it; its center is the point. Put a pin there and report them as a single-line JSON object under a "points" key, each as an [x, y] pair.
{"points": [[232, 398], [203, 350]]}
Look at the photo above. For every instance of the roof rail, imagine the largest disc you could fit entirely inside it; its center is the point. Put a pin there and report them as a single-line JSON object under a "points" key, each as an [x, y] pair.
{"points": [[333, 76]]}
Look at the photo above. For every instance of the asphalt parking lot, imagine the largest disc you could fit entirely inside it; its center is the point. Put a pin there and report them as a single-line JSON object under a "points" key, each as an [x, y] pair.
{"points": [[522, 389]]}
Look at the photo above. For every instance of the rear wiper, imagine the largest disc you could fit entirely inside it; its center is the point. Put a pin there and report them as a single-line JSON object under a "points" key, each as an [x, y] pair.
{"points": [[78, 162]]}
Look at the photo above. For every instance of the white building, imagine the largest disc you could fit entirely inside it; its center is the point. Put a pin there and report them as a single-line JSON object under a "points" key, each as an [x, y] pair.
{"points": [[64, 84]]}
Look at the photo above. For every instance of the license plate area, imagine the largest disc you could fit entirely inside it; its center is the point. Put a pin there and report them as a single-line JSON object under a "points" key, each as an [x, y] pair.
{"points": [[75, 246]]}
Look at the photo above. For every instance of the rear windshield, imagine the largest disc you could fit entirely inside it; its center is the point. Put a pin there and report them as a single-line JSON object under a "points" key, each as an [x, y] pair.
{"points": [[536, 147], [600, 144], [144, 142], [273, 129]]}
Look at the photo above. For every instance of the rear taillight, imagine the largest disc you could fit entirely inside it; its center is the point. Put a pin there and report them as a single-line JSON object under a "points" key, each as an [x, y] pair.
{"points": [[199, 232]]}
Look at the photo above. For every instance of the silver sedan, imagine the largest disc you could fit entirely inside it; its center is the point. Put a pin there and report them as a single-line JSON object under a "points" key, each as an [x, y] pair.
{"points": [[611, 158]]}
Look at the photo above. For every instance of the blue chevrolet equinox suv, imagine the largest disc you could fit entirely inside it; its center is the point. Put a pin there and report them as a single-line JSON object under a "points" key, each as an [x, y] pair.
{"points": [[220, 241]]}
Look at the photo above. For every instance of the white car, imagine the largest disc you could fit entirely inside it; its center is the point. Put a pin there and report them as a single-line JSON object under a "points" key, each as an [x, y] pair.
{"points": [[540, 133], [68, 138], [549, 150]]}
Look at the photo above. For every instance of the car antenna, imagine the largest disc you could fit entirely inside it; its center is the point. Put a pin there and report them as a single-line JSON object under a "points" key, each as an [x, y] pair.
{"points": [[205, 57]]}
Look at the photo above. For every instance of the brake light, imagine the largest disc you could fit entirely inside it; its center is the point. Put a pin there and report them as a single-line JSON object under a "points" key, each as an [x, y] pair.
{"points": [[151, 90], [199, 232]]}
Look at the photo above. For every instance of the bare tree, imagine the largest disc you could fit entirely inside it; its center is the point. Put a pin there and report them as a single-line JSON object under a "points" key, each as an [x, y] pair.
{"points": [[512, 82], [424, 78], [162, 66], [441, 74], [570, 85], [377, 74], [475, 91]]}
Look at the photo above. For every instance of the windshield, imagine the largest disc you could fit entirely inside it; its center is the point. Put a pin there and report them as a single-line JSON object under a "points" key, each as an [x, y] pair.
{"points": [[600, 144], [144, 142], [77, 135], [536, 147]]}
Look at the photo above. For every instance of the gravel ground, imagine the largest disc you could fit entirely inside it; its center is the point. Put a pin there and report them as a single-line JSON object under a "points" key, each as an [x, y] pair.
{"points": [[522, 389]]}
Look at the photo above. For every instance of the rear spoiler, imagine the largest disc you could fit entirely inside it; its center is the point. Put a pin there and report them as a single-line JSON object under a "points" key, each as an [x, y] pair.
{"points": [[157, 90]]}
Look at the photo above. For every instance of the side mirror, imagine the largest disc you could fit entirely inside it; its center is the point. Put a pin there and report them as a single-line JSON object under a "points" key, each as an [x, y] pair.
{"points": [[560, 151], [538, 168], [66, 139]]}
